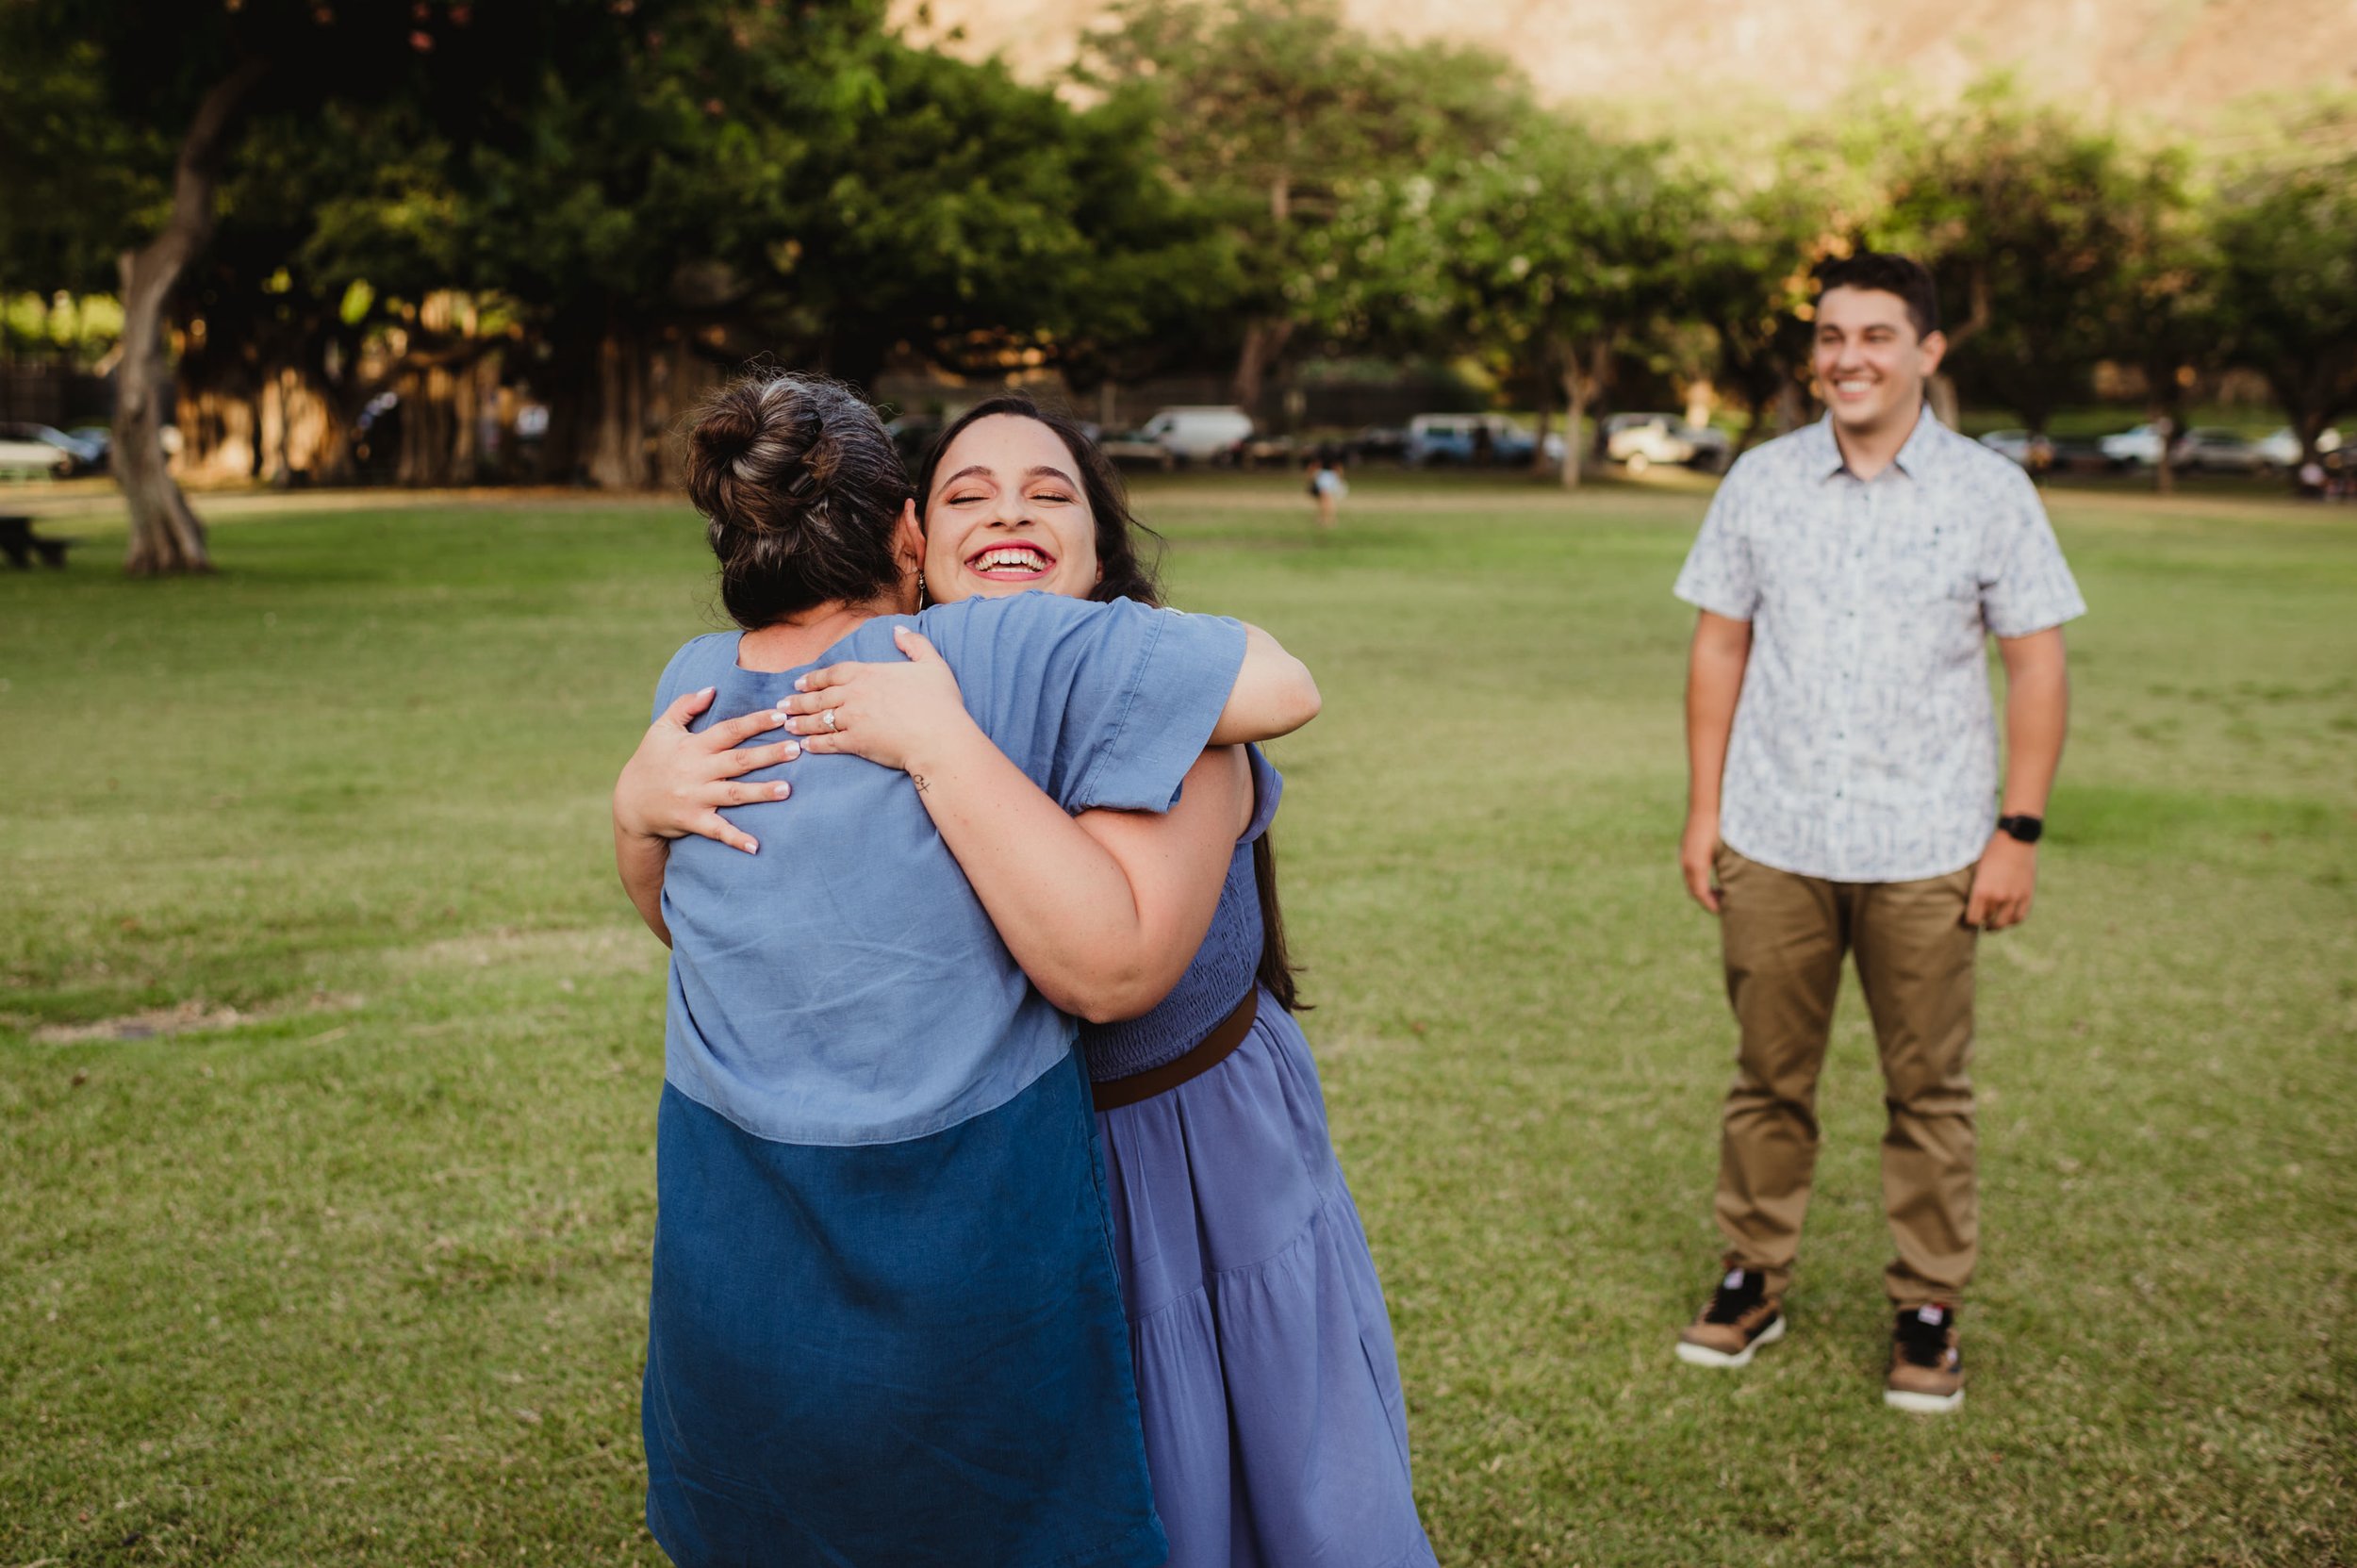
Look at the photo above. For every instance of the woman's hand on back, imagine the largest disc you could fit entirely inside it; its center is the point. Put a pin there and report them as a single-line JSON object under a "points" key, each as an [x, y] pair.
{"points": [[891, 714], [677, 780]]}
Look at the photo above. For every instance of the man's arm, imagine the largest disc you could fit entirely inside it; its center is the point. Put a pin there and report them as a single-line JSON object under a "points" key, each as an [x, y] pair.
{"points": [[1714, 679], [2038, 713]]}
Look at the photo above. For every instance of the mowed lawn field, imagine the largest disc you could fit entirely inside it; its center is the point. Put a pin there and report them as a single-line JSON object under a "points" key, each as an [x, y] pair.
{"points": [[329, 1048]]}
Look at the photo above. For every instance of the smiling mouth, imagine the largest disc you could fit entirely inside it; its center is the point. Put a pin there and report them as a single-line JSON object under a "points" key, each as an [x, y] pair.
{"points": [[1011, 563]]}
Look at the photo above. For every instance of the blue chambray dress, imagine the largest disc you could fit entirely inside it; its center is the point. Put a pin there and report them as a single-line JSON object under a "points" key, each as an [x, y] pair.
{"points": [[1275, 1426], [884, 1327]]}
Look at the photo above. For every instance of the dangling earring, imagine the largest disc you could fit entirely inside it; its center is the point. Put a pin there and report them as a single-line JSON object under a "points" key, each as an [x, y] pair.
{"points": [[920, 590]]}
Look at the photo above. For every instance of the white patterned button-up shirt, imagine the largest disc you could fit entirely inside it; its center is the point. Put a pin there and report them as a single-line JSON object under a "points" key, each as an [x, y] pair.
{"points": [[1865, 745]]}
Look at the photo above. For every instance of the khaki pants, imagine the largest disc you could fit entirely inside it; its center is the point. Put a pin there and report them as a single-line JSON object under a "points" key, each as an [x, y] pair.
{"points": [[1785, 937]]}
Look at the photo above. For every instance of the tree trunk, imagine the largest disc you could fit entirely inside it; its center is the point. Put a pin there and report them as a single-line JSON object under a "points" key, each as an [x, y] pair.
{"points": [[1538, 445], [618, 450], [166, 536], [1263, 345], [1599, 382], [1575, 409], [1755, 421]]}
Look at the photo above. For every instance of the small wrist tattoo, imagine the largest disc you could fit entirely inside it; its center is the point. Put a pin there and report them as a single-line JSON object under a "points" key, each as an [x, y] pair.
{"points": [[918, 779]]}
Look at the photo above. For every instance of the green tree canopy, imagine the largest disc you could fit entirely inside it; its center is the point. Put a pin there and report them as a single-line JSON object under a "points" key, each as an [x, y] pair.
{"points": [[1269, 115]]}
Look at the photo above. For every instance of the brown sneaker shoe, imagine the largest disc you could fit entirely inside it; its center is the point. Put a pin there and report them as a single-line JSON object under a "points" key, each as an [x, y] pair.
{"points": [[1742, 1317], [1926, 1368]]}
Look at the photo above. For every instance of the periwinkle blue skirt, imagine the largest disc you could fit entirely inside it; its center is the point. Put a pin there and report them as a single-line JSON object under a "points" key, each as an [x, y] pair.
{"points": [[1275, 1428]]}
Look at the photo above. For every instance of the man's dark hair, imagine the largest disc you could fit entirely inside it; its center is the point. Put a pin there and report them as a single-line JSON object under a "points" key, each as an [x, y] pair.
{"points": [[1901, 275]]}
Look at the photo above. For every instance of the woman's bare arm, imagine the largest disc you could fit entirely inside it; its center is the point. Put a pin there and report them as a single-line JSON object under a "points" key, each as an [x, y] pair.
{"points": [[1275, 694], [641, 859], [1104, 914]]}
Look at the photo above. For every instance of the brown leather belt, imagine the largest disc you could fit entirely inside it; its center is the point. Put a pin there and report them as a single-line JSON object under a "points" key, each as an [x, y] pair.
{"points": [[1213, 1049]]}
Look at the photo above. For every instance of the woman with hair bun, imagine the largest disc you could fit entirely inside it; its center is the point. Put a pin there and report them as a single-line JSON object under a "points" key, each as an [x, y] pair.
{"points": [[884, 1325], [1275, 1427]]}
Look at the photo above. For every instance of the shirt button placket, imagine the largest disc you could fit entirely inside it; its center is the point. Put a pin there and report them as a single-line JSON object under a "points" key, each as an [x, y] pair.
{"points": [[1858, 507]]}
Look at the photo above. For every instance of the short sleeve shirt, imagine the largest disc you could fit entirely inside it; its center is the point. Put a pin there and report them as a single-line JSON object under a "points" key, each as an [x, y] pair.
{"points": [[845, 985], [1865, 743]]}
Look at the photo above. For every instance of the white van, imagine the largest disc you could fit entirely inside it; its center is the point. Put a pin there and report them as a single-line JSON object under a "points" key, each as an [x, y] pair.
{"points": [[1199, 435]]}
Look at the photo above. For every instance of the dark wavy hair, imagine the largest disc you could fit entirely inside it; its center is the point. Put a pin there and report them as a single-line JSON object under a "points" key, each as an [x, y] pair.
{"points": [[800, 488], [1887, 272], [1130, 557]]}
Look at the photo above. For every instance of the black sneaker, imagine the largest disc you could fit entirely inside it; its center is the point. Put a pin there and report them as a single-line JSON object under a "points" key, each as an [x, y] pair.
{"points": [[1742, 1317], [1926, 1365]]}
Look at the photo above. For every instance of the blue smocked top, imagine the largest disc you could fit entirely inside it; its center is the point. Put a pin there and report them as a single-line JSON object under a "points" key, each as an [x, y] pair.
{"points": [[1223, 969]]}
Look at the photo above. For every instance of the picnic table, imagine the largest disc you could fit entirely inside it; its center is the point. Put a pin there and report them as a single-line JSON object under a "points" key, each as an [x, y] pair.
{"points": [[20, 544]]}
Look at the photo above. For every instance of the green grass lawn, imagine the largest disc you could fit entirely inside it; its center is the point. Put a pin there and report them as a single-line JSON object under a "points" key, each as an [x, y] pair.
{"points": [[329, 1048]]}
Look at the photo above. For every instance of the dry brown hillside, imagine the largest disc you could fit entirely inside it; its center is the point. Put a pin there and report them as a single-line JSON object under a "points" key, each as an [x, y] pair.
{"points": [[2165, 60]]}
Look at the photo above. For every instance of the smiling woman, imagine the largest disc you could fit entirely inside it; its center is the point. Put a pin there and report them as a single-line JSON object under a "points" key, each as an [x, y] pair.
{"points": [[1009, 505]]}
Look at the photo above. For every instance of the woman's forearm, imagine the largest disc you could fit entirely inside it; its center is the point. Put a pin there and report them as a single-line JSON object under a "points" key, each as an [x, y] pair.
{"points": [[1103, 918], [1275, 694], [641, 859]]}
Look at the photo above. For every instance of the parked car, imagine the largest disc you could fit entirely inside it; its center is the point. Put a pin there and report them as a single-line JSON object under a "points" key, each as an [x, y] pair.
{"points": [[1469, 438], [2281, 449], [2031, 452], [82, 455], [22, 457], [1200, 434], [2139, 447], [1642, 440], [1380, 441], [1278, 451], [2212, 451], [1136, 447]]}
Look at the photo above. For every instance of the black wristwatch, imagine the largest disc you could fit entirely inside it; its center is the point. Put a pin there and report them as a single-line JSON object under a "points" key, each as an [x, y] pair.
{"points": [[2027, 829]]}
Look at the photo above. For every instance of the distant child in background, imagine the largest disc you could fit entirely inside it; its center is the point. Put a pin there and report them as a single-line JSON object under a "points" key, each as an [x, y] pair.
{"points": [[1327, 488]]}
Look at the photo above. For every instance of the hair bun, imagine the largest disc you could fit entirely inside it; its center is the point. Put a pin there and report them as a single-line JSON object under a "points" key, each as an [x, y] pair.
{"points": [[728, 430], [800, 490]]}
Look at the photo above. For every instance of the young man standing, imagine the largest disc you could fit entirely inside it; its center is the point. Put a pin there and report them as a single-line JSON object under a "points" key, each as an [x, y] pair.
{"points": [[1844, 797]]}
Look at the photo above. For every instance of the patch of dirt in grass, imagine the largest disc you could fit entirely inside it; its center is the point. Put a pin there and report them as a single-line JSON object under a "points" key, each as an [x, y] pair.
{"points": [[599, 948], [192, 1016]]}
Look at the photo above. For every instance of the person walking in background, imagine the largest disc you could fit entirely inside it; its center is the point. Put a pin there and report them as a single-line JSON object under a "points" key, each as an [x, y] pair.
{"points": [[1326, 488], [1843, 781]]}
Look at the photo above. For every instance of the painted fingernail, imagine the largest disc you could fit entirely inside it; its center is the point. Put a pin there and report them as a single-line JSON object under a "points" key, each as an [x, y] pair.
{"points": [[792, 750], [783, 717], [801, 683], [751, 848], [782, 791]]}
